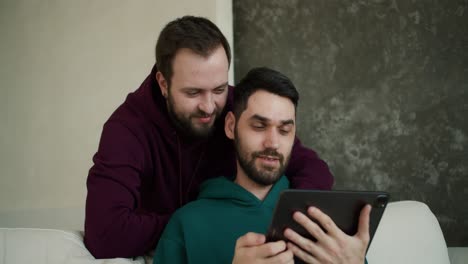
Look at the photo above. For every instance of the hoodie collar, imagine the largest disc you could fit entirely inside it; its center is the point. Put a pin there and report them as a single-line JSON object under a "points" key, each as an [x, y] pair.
{"points": [[222, 188]]}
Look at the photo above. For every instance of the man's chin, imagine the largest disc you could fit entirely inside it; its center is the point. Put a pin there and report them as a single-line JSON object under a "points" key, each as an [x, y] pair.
{"points": [[266, 177], [200, 132]]}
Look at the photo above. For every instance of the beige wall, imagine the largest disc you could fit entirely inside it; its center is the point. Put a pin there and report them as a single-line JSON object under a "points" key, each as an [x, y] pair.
{"points": [[65, 66]]}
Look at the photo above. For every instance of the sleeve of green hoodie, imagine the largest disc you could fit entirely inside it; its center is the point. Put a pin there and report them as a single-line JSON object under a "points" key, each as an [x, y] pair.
{"points": [[171, 247], [170, 251]]}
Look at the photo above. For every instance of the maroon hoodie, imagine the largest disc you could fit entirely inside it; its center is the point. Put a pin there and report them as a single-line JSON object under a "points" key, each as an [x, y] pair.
{"points": [[144, 170]]}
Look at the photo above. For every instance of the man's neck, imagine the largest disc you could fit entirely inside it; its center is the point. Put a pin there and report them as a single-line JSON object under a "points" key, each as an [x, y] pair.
{"points": [[260, 191]]}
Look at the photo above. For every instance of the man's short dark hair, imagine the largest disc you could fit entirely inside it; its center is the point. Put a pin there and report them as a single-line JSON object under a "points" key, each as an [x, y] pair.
{"points": [[266, 79], [198, 34]]}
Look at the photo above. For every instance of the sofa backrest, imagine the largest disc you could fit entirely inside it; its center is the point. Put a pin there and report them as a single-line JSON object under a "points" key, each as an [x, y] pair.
{"points": [[408, 233]]}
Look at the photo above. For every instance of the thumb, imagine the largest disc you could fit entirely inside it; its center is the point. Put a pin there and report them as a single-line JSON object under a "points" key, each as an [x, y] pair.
{"points": [[250, 239], [364, 219]]}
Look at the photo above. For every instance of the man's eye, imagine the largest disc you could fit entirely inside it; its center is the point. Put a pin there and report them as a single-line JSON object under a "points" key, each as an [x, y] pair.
{"points": [[285, 130], [258, 126], [219, 90], [192, 93]]}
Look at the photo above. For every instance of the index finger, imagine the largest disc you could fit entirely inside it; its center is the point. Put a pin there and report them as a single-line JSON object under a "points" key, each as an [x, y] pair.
{"points": [[324, 220]]}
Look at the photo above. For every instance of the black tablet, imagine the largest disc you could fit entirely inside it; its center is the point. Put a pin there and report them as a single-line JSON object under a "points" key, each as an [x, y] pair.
{"points": [[343, 207]]}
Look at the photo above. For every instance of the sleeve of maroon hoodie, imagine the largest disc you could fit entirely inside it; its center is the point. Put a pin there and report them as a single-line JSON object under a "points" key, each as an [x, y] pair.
{"points": [[112, 226], [306, 170]]}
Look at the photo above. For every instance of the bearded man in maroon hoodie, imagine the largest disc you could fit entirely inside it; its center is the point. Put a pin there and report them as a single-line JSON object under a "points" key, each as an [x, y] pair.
{"points": [[168, 137]]}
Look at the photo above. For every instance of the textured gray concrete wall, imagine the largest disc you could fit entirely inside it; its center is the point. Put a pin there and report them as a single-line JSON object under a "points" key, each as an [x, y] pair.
{"points": [[384, 91]]}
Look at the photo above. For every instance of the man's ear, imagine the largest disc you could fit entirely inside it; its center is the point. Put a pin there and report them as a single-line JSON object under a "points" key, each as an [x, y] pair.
{"points": [[162, 83], [229, 125]]}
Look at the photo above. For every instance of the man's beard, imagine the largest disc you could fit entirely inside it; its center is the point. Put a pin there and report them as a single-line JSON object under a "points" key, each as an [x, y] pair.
{"points": [[264, 176], [185, 126]]}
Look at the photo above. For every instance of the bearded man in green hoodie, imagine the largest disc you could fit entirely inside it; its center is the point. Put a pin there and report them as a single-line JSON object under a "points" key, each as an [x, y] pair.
{"points": [[225, 224]]}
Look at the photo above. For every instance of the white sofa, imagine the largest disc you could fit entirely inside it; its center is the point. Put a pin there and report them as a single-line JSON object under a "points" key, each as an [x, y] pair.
{"points": [[408, 233]]}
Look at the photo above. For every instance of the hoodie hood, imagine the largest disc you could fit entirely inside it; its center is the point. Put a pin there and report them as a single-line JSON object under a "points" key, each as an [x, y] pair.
{"points": [[222, 188], [149, 102]]}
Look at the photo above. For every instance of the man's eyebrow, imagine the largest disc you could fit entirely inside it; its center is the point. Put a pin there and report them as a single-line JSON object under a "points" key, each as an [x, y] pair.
{"points": [[198, 88], [221, 86], [287, 122], [260, 118], [266, 120]]}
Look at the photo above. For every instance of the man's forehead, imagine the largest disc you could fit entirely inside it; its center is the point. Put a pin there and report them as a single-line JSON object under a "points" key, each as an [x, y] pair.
{"points": [[191, 70], [270, 106]]}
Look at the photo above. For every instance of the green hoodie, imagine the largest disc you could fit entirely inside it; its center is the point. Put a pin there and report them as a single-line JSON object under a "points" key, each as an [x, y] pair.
{"points": [[206, 230]]}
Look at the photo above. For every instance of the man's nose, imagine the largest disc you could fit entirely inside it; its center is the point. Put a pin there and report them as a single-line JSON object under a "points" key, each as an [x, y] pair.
{"points": [[207, 105], [272, 139]]}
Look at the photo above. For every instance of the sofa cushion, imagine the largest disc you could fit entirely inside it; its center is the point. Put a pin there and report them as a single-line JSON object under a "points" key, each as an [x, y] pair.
{"points": [[41, 246], [408, 233]]}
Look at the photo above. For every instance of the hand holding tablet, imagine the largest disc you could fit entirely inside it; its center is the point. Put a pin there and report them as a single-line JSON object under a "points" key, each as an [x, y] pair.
{"points": [[327, 225]]}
